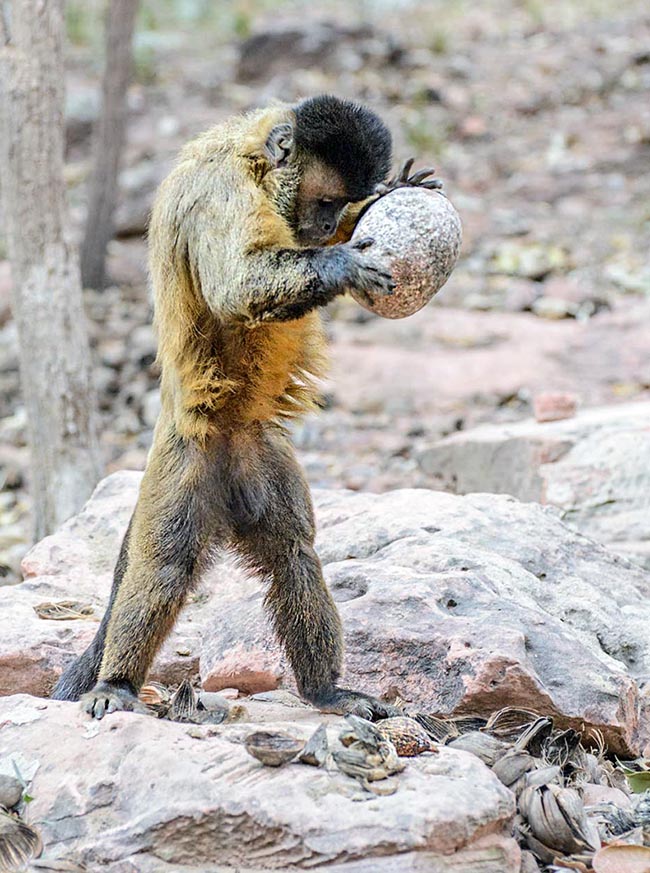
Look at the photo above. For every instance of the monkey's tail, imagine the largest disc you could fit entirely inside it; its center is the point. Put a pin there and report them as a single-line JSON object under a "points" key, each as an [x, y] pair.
{"points": [[81, 675]]}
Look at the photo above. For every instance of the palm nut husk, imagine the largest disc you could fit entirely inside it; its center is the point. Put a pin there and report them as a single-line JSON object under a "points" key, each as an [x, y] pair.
{"points": [[366, 754], [543, 776], [510, 721], [65, 610], [183, 705], [560, 748], [154, 694], [557, 821], [512, 766], [535, 736], [611, 821], [465, 724], [272, 749], [440, 730], [360, 762], [489, 749], [360, 730], [19, 843], [316, 748], [406, 734]]}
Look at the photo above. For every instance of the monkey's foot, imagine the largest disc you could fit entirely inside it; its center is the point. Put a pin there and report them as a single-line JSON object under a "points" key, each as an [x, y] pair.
{"points": [[109, 697], [345, 702], [403, 179]]}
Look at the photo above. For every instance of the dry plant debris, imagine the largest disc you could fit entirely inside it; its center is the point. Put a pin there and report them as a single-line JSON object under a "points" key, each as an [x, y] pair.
{"points": [[553, 773]]}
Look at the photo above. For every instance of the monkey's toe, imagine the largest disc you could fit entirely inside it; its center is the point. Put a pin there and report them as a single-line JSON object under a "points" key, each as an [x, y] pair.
{"points": [[345, 702], [106, 698]]}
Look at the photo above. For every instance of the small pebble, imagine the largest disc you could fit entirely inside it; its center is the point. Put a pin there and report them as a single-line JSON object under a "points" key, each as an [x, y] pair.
{"points": [[11, 791], [554, 407]]}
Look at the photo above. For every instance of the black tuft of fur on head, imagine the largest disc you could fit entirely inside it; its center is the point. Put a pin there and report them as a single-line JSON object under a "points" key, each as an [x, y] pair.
{"points": [[347, 137]]}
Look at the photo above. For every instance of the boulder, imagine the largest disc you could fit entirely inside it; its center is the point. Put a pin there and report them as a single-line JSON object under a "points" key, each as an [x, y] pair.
{"points": [[155, 796], [595, 467], [284, 45], [465, 605], [454, 604]]}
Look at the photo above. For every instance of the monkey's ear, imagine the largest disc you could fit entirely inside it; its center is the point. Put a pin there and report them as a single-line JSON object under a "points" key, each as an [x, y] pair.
{"points": [[280, 145]]}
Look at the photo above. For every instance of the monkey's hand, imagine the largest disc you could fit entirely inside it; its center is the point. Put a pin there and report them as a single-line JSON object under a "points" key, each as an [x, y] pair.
{"points": [[109, 697], [363, 276], [403, 180], [342, 701]]}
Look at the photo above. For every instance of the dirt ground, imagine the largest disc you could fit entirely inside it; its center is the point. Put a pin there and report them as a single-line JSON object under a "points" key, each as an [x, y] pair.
{"points": [[536, 115]]}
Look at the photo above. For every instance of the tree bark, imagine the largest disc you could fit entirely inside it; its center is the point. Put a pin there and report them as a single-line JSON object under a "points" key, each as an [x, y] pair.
{"points": [[109, 140], [47, 302]]}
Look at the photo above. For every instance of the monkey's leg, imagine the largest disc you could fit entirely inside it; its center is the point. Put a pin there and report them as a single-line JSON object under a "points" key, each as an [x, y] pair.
{"points": [[170, 529], [280, 543], [81, 675]]}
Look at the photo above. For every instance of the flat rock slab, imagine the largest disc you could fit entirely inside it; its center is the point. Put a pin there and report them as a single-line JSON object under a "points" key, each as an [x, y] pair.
{"points": [[154, 796], [595, 467], [454, 604]]}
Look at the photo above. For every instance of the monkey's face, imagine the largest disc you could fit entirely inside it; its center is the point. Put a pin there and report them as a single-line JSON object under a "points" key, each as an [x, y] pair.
{"points": [[319, 203]]}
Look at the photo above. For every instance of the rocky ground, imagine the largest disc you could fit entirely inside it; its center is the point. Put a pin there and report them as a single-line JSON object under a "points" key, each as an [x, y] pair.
{"points": [[453, 607]]}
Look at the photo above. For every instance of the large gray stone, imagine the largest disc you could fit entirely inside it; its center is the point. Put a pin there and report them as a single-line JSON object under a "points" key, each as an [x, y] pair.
{"points": [[594, 467], [133, 794], [456, 604]]}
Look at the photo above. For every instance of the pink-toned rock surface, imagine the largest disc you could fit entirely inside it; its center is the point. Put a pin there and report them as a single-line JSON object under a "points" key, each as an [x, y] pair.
{"points": [[467, 605], [155, 796], [594, 467], [554, 407], [456, 604], [449, 360]]}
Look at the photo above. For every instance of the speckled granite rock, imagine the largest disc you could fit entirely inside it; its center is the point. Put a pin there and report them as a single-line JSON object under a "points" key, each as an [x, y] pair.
{"points": [[417, 237]]}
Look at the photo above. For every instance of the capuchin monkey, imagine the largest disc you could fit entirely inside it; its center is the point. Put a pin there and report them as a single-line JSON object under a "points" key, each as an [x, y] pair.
{"points": [[249, 237]]}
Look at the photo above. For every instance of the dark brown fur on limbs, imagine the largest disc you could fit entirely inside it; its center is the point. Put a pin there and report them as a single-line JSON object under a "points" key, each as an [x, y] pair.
{"points": [[241, 259]]}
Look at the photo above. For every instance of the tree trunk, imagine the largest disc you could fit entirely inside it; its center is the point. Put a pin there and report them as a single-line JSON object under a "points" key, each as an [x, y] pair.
{"points": [[47, 301], [109, 140]]}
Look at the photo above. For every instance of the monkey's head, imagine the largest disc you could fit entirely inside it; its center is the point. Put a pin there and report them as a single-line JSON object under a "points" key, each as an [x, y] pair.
{"points": [[333, 152]]}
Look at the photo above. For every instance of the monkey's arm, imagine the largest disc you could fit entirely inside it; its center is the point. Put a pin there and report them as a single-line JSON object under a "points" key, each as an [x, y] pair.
{"points": [[240, 256], [283, 284], [287, 284]]}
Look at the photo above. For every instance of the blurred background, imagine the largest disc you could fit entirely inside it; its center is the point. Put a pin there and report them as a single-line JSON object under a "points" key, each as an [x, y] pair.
{"points": [[536, 114]]}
